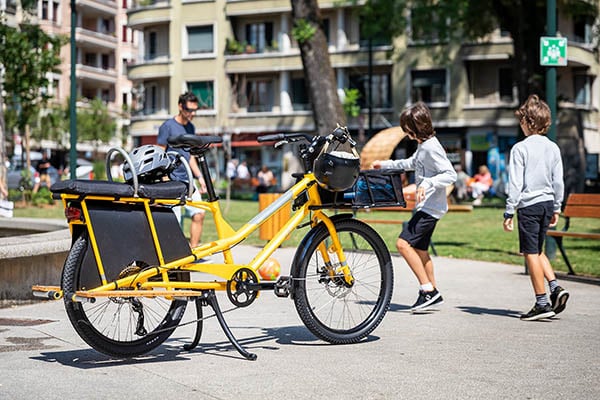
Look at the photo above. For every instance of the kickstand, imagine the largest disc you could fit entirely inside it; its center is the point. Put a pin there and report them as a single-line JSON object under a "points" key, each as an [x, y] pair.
{"points": [[200, 302], [211, 299]]}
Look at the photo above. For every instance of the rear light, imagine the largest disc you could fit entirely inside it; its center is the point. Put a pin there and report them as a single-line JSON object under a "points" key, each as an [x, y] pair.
{"points": [[73, 214]]}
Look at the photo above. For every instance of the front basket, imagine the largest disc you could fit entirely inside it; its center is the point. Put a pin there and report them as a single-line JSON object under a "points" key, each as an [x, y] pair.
{"points": [[373, 188]]}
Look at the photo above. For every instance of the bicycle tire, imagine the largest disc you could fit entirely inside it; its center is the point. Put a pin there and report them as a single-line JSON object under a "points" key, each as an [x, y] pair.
{"points": [[108, 325], [332, 311]]}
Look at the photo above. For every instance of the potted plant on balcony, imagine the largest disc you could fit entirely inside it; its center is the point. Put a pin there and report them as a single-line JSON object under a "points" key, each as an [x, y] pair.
{"points": [[232, 46]]}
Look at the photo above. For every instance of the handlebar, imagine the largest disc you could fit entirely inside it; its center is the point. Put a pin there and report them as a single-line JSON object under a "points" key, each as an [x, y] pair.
{"points": [[315, 142]]}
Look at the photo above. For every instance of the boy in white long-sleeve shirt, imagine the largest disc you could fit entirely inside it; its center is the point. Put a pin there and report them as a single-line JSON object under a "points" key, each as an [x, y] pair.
{"points": [[535, 192], [433, 173]]}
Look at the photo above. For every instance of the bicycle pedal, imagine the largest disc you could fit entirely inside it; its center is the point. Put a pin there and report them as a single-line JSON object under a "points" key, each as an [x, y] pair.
{"points": [[282, 286]]}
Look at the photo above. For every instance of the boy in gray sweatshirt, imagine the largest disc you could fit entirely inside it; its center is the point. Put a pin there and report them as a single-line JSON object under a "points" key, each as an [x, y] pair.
{"points": [[535, 192], [433, 173]]}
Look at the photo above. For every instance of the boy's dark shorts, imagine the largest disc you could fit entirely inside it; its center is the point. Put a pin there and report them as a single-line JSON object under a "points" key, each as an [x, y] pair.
{"points": [[417, 232], [533, 224]]}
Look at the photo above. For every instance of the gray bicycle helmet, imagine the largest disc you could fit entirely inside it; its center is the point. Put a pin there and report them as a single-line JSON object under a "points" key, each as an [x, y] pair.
{"points": [[150, 164], [336, 171]]}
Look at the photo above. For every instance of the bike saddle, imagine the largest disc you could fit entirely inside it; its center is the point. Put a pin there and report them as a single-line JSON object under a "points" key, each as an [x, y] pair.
{"points": [[193, 141]]}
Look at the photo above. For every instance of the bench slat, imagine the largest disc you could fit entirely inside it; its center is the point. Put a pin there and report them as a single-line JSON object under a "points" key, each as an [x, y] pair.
{"points": [[582, 211], [579, 205], [574, 234], [591, 199]]}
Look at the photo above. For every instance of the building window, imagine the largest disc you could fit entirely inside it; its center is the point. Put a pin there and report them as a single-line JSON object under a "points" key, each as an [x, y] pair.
{"points": [[124, 34], [381, 91], [259, 95], [260, 35], [429, 86], [45, 10], [205, 93], [326, 30], [583, 29], [378, 39], [151, 100], [583, 89], [89, 59], [505, 85], [299, 95], [152, 45], [200, 39]]}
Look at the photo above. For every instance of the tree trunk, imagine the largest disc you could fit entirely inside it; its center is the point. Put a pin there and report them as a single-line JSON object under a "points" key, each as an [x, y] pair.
{"points": [[318, 73]]}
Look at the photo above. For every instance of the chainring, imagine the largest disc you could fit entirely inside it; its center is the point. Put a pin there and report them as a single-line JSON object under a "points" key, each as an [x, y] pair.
{"points": [[238, 290]]}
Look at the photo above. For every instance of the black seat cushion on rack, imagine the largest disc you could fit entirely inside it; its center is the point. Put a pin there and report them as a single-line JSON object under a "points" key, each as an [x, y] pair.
{"points": [[87, 187], [163, 190]]}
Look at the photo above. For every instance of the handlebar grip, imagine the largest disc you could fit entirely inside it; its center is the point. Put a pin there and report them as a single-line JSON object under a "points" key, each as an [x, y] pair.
{"points": [[271, 138]]}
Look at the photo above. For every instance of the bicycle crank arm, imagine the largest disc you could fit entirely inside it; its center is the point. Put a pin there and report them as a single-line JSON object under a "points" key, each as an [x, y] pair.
{"points": [[281, 286]]}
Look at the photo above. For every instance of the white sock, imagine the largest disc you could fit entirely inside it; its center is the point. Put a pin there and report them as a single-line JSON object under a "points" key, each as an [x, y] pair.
{"points": [[428, 287]]}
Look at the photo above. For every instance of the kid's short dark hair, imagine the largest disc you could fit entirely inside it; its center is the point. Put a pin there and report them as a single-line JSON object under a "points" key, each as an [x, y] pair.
{"points": [[536, 114], [416, 119], [188, 97]]}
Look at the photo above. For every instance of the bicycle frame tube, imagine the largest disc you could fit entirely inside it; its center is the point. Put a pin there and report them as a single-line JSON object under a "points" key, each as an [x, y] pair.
{"points": [[227, 238]]}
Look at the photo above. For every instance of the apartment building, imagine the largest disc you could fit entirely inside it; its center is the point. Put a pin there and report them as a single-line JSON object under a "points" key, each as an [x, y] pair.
{"points": [[241, 60], [104, 47]]}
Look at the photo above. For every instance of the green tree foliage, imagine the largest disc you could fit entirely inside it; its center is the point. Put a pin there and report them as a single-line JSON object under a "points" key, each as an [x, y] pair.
{"points": [[53, 124], [95, 123], [28, 54], [463, 21], [351, 107]]}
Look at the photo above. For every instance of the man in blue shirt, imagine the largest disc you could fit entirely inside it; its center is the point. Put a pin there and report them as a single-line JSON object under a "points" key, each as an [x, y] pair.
{"points": [[181, 124]]}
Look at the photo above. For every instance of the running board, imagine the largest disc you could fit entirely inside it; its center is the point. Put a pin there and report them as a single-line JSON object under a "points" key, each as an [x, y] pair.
{"points": [[56, 293]]}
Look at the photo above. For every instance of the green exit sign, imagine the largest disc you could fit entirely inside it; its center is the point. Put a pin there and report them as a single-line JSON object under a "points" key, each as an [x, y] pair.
{"points": [[553, 51]]}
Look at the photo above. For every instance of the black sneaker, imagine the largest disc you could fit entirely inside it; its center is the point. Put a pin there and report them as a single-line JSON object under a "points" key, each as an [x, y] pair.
{"points": [[559, 299], [538, 312], [427, 299]]}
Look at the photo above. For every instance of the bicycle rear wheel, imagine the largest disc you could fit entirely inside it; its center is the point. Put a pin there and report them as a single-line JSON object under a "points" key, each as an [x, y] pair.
{"points": [[332, 309], [118, 327]]}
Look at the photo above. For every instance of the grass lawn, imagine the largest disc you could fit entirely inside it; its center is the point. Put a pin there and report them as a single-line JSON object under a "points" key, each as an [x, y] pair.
{"points": [[476, 235]]}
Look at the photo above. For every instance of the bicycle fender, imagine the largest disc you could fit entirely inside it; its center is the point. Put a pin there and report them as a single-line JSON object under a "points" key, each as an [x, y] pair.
{"points": [[310, 236]]}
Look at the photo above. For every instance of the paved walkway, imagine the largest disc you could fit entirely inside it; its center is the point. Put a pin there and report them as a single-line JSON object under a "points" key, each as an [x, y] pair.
{"points": [[475, 347]]}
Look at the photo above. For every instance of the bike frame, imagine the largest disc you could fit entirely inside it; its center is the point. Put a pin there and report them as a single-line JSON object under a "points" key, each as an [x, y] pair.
{"points": [[227, 239]]}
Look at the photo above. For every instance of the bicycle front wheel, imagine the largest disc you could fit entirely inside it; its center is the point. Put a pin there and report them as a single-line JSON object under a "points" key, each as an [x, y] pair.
{"points": [[118, 326], [333, 309]]}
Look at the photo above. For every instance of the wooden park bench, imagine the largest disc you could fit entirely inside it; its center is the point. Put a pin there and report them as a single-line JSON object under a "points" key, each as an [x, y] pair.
{"points": [[579, 205]]}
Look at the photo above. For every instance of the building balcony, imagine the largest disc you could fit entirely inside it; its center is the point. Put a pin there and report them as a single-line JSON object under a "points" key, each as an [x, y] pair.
{"points": [[270, 122], [278, 61], [263, 62], [487, 51], [149, 12], [90, 38], [106, 7], [236, 7], [144, 124], [360, 57], [96, 74], [150, 68], [580, 55], [261, 7]]}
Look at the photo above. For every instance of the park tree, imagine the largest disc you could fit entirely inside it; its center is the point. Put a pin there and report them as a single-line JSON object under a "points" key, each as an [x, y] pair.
{"points": [[459, 21], [27, 56], [320, 79]]}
